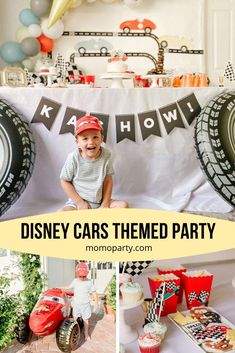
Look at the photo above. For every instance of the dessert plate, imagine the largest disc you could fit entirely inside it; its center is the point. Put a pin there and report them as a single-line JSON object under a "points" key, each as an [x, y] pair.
{"points": [[208, 331]]}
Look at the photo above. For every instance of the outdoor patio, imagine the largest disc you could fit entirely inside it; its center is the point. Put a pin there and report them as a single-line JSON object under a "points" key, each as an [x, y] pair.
{"points": [[102, 332]]}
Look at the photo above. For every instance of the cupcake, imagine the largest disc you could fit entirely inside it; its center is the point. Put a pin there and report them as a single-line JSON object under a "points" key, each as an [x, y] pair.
{"points": [[131, 292], [149, 343], [157, 328]]}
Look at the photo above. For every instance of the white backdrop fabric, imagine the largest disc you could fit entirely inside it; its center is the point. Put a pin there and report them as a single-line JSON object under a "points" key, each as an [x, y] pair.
{"points": [[158, 173]]}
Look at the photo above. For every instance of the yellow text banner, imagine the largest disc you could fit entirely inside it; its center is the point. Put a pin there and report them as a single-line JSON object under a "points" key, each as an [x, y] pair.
{"points": [[117, 235]]}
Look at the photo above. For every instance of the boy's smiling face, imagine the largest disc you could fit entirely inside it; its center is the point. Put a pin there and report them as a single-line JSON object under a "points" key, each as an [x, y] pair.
{"points": [[89, 142]]}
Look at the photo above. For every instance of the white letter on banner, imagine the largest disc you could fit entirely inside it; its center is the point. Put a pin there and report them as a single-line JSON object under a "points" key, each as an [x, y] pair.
{"points": [[149, 123], [170, 115], [45, 111], [72, 120], [125, 126]]}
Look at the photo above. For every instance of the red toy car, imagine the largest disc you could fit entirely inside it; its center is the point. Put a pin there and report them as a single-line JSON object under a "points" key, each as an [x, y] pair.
{"points": [[140, 25], [53, 312]]}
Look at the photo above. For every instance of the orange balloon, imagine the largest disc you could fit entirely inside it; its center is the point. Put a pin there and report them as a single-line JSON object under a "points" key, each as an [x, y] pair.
{"points": [[47, 44]]}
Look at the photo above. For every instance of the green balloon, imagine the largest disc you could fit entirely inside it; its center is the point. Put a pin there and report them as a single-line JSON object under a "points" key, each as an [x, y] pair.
{"points": [[22, 33], [28, 64], [41, 8]]}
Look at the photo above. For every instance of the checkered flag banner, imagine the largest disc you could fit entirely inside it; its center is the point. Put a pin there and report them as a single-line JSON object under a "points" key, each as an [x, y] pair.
{"points": [[192, 296], [136, 268], [158, 301], [229, 72]]}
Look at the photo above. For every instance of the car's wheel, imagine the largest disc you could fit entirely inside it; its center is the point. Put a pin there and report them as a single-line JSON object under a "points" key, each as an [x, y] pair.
{"points": [[126, 30], [68, 335], [17, 155], [184, 48], [164, 44], [215, 144], [103, 50], [23, 332], [82, 50], [148, 30]]}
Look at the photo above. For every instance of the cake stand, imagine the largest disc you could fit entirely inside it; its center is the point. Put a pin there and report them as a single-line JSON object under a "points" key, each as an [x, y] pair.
{"points": [[116, 78], [154, 79], [128, 333]]}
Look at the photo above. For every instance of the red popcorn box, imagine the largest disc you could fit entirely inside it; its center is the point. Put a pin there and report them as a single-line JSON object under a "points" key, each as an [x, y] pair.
{"points": [[172, 286], [197, 286], [178, 271]]}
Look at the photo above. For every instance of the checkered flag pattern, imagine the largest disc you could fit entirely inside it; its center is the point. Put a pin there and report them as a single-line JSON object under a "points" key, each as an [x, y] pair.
{"points": [[203, 296], [229, 72], [202, 335], [34, 78], [152, 313], [170, 286], [72, 72], [136, 268], [61, 65], [192, 296]]}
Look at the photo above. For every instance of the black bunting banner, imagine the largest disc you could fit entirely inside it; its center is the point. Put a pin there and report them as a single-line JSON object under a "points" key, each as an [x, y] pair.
{"points": [[171, 117], [149, 124], [190, 107], [125, 127], [46, 112], [104, 119], [69, 121]]}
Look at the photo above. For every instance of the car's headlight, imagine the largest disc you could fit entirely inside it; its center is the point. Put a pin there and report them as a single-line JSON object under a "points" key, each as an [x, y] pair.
{"points": [[49, 324]]}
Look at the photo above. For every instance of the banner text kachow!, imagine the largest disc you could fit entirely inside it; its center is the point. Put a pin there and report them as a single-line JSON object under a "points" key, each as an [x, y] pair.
{"points": [[118, 231]]}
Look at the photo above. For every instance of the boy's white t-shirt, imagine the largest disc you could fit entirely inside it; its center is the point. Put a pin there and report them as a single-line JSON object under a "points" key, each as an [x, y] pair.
{"points": [[82, 291]]}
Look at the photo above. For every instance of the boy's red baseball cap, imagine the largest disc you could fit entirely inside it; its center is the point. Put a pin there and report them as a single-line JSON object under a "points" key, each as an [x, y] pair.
{"points": [[82, 269], [87, 122]]}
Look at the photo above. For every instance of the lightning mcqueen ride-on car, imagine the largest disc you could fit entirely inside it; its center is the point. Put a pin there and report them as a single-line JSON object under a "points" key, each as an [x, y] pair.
{"points": [[52, 313]]}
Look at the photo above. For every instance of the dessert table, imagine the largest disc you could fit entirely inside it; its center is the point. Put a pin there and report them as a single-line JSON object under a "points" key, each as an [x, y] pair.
{"points": [[159, 172], [222, 299]]}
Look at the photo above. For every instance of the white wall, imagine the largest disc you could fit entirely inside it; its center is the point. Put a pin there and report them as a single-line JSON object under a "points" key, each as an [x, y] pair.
{"points": [[182, 18]]}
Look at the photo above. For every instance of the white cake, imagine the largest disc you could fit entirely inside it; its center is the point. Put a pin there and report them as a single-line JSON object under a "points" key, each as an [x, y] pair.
{"points": [[116, 63], [117, 67]]}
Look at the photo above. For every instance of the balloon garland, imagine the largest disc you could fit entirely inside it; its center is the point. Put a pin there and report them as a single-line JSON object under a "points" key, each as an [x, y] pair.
{"points": [[41, 25]]}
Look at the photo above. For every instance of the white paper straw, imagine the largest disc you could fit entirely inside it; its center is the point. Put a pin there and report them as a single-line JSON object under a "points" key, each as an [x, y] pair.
{"points": [[161, 304]]}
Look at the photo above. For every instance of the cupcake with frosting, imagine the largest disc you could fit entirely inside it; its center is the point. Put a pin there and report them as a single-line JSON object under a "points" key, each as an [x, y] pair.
{"points": [[157, 328], [149, 343], [131, 292]]}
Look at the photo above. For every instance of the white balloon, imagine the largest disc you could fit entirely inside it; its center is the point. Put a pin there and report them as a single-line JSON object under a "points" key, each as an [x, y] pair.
{"points": [[35, 30], [55, 31], [76, 3], [133, 3]]}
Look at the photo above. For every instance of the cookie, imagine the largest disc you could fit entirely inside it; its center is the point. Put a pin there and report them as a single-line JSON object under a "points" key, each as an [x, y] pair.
{"points": [[217, 347]]}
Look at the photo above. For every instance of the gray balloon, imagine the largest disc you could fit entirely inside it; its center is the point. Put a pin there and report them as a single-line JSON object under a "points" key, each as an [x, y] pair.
{"points": [[41, 8], [30, 46]]}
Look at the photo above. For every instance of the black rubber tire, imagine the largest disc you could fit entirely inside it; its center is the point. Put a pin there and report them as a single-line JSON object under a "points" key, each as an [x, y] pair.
{"points": [[215, 144], [164, 44], [23, 332], [68, 335], [148, 30], [17, 150], [184, 48]]}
